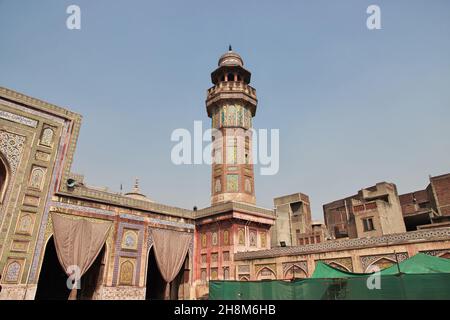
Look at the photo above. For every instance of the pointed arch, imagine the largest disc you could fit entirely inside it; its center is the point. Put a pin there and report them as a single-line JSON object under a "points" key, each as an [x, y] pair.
{"points": [[266, 274], [4, 176], [381, 263], [339, 266], [295, 271]]}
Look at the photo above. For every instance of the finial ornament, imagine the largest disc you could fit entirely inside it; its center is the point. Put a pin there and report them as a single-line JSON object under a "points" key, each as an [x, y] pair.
{"points": [[136, 185], [229, 48]]}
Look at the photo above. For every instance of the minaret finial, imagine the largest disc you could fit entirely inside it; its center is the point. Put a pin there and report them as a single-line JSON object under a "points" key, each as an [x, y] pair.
{"points": [[136, 185], [229, 48]]}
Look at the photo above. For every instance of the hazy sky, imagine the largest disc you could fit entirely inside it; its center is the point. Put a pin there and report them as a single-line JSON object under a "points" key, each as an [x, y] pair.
{"points": [[354, 106]]}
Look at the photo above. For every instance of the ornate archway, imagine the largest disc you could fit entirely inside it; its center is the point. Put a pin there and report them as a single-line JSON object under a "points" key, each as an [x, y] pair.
{"points": [[4, 177], [52, 282], [295, 272], [52, 278], [381, 263], [266, 274], [338, 266]]}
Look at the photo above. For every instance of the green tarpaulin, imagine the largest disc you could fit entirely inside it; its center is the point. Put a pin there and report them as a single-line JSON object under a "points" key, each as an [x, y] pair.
{"points": [[420, 264], [421, 277], [434, 286], [324, 270]]}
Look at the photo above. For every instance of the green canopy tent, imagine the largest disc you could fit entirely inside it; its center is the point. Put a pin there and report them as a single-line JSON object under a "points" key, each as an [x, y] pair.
{"points": [[419, 264], [326, 271], [421, 277]]}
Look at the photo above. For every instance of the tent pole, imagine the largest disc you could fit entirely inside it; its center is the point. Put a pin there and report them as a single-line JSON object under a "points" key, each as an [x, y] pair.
{"points": [[396, 261]]}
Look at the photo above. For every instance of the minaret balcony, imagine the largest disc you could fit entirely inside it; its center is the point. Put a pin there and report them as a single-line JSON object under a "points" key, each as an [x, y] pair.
{"points": [[231, 90]]}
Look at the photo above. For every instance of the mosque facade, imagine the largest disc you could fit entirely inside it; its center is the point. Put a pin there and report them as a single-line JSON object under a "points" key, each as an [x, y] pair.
{"points": [[63, 239]]}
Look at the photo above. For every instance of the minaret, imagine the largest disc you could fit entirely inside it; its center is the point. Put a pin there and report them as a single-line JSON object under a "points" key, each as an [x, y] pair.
{"points": [[231, 104]]}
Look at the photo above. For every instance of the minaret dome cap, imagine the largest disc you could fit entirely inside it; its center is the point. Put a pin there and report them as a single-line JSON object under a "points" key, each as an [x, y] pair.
{"points": [[230, 58]]}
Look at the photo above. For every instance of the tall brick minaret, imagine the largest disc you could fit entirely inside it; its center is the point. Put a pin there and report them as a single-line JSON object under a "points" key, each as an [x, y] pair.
{"points": [[231, 103]]}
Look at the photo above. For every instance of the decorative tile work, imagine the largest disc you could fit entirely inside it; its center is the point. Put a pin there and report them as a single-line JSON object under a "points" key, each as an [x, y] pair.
{"points": [[18, 119], [33, 101], [233, 206], [42, 156], [127, 271], [345, 264], [232, 183], [37, 177], [130, 239], [13, 270], [131, 217], [218, 186], [241, 236], [25, 223], [125, 254], [226, 273], [20, 246], [68, 125], [226, 256], [253, 238], [11, 145], [173, 223], [214, 238], [263, 238], [299, 264], [204, 240], [436, 253], [243, 269], [226, 237], [47, 137], [214, 273], [271, 266], [367, 261], [422, 235], [123, 293], [32, 201], [203, 276], [82, 209]]}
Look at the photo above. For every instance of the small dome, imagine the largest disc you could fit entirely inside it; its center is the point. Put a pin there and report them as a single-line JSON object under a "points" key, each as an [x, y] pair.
{"points": [[136, 193], [230, 58]]}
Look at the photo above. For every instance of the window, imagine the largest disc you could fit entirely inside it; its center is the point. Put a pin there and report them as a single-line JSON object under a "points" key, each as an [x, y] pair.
{"points": [[368, 224], [230, 77], [226, 256], [203, 276], [296, 208], [226, 273], [232, 183], [226, 238], [214, 274]]}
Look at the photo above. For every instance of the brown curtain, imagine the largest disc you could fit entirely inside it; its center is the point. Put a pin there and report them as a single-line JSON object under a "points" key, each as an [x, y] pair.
{"points": [[78, 242], [170, 248]]}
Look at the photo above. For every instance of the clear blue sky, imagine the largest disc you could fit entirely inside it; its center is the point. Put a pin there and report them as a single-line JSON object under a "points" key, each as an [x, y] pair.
{"points": [[354, 107]]}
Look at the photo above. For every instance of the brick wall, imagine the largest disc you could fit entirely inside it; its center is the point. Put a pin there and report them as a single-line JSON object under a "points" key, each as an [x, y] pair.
{"points": [[441, 189]]}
